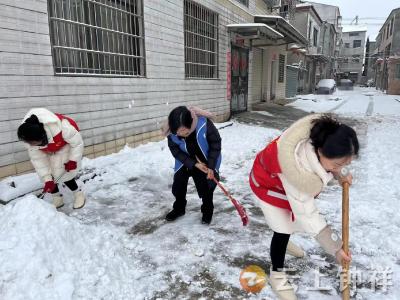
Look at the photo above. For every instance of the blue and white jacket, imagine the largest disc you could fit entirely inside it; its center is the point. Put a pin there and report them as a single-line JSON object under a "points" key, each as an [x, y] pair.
{"points": [[209, 141]]}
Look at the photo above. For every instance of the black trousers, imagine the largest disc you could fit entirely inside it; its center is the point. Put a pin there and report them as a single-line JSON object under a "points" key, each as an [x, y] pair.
{"points": [[205, 189], [71, 184], [278, 250]]}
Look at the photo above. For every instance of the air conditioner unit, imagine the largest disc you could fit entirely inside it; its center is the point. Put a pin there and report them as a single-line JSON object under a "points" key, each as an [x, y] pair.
{"points": [[278, 3], [273, 3]]}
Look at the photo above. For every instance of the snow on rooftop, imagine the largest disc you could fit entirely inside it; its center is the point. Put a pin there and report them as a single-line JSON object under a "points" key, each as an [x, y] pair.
{"points": [[303, 5], [354, 28]]}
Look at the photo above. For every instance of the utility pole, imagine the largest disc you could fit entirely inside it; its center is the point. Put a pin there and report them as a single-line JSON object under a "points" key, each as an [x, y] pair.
{"points": [[355, 19]]}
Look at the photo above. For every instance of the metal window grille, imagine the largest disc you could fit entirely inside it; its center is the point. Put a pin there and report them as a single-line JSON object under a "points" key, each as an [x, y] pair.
{"points": [[281, 77], [201, 41], [97, 37]]}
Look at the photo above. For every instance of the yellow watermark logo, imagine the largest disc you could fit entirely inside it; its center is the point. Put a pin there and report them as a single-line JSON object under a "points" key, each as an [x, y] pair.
{"points": [[253, 279]]}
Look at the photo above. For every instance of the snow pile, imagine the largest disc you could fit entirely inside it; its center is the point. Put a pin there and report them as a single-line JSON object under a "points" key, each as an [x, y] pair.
{"points": [[45, 254], [13, 187]]}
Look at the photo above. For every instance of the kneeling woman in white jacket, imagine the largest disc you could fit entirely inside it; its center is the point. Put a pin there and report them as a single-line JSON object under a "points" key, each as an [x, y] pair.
{"points": [[288, 175], [55, 148]]}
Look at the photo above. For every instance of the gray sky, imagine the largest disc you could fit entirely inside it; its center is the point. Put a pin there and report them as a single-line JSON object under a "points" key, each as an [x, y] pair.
{"points": [[375, 10]]}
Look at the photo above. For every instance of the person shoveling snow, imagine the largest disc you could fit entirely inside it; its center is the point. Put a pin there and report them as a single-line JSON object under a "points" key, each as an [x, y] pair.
{"points": [[55, 148], [195, 143], [288, 175]]}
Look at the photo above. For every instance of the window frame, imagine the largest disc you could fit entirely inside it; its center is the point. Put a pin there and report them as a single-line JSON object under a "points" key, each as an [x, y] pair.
{"points": [[397, 71], [315, 36], [79, 50], [391, 27], [354, 44], [281, 68], [208, 40]]}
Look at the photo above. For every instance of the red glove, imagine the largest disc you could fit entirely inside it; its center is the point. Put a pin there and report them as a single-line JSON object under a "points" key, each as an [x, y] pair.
{"points": [[49, 186], [71, 165]]}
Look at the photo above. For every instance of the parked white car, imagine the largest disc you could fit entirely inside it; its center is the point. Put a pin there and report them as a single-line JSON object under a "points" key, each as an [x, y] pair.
{"points": [[325, 86]]}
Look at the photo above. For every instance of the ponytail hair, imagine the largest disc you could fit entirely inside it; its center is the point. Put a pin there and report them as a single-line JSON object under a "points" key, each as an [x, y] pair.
{"points": [[332, 138]]}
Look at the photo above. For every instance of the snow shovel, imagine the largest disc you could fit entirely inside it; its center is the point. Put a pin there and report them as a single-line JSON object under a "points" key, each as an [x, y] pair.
{"points": [[239, 207], [41, 195], [345, 284]]}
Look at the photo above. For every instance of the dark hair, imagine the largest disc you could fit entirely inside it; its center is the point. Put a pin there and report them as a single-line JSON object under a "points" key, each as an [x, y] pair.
{"points": [[32, 130], [178, 117], [333, 138]]}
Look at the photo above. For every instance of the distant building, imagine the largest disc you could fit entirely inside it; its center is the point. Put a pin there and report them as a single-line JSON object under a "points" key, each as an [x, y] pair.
{"points": [[369, 71], [351, 59], [320, 23], [331, 34], [387, 55]]}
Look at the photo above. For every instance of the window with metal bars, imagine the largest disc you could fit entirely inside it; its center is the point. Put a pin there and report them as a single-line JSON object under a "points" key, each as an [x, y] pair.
{"points": [[281, 76], [201, 41], [97, 37]]}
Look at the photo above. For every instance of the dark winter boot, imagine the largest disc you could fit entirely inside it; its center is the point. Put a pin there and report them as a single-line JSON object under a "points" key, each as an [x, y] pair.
{"points": [[178, 210], [174, 214], [207, 209], [206, 219]]}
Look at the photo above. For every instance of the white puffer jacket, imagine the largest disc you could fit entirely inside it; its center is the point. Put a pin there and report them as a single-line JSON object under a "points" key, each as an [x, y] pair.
{"points": [[302, 178], [51, 165]]}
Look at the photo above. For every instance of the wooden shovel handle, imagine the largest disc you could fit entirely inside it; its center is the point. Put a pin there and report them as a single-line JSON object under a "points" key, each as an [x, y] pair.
{"points": [[345, 237]]}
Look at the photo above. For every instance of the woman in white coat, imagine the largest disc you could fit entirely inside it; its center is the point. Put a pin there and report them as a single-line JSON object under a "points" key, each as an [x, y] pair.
{"points": [[55, 148], [288, 175]]}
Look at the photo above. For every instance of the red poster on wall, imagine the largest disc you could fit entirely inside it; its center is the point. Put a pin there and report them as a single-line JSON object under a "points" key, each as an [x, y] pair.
{"points": [[228, 76]]}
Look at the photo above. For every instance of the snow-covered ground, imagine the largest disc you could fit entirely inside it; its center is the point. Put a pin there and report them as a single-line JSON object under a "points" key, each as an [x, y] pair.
{"points": [[120, 247]]}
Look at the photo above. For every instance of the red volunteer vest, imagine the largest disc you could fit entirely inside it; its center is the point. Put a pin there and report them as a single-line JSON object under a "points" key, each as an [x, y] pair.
{"points": [[58, 140], [264, 180]]}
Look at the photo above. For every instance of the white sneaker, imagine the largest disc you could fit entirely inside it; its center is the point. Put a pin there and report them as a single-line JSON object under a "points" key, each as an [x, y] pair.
{"points": [[294, 250], [281, 286], [58, 200], [80, 200]]}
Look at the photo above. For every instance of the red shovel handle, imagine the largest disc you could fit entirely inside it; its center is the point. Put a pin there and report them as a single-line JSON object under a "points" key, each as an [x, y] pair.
{"points": [[240, 209]]}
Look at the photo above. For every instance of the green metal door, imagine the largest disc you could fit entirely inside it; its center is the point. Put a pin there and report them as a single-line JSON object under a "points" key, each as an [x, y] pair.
{"points": [[291, 81]]}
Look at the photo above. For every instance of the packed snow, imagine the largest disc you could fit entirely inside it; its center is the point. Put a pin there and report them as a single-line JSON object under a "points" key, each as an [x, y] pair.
{"points": [[319, 103], [119, 246]]}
